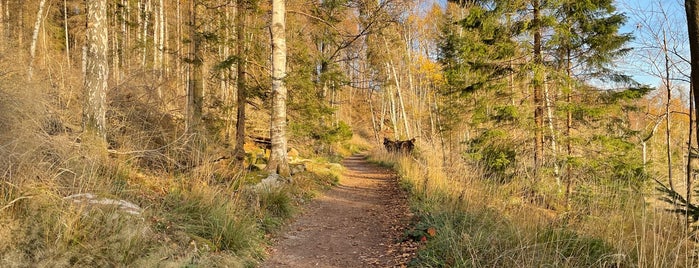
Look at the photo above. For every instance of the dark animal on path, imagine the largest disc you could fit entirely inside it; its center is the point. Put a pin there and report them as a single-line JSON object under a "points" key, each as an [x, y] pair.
{"points": [[405, 146], [391, 146]]}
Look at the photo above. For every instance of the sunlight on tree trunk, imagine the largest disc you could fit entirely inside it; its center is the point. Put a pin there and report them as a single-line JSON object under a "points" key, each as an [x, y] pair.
{"points": [[552, 132], [35, 37], [278, 162], [96, 69]]}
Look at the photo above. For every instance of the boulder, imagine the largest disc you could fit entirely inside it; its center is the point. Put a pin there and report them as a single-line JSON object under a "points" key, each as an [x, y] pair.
{"points": [[94, 201], [271, 183], [296, 168]]}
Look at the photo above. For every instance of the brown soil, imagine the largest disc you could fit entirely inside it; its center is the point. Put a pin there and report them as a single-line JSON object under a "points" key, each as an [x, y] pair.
{"points": [[358, 224]]}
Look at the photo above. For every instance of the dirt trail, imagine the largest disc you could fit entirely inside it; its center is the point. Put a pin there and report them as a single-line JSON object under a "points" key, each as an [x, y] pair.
{"points": [[357, 224]]}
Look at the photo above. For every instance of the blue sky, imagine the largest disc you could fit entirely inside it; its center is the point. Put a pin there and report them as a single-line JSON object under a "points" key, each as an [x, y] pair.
{"points": [[647, 19]]}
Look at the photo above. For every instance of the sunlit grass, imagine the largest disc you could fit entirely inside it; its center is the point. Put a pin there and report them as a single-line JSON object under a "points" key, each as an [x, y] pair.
{"points": [[483, 223]]}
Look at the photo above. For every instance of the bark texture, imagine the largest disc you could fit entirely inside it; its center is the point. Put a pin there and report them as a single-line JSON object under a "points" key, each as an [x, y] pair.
{"points": [[96, 68], [278, 162], [241, 87], [195, 89]]}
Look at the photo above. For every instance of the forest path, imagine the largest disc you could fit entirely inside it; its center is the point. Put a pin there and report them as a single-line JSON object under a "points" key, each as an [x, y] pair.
{"points": [[356, 224]]}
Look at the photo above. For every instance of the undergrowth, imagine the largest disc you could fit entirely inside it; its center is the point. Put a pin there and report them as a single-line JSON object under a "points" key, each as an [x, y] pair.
{"points": [[464, 218], [154, 196]]}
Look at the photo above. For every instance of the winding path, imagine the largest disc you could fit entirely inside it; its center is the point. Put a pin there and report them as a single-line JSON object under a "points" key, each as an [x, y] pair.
{"points": [[356, 224]]}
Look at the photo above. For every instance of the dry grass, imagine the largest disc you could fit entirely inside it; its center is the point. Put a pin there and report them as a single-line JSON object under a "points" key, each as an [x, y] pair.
{"points": [[194, 206], [482, 223]]}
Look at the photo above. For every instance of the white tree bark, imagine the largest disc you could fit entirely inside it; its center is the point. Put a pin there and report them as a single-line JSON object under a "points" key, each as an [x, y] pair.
{"points": [[65, 29], [278, 162], [96, 68], [552, 130], [35, 36]]}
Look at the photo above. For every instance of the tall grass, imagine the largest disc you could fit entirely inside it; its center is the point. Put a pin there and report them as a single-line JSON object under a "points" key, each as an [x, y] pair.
{"points": [[480, 222], [196, 207]]}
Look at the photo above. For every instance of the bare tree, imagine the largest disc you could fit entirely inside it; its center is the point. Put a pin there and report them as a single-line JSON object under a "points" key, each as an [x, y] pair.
{"points": [[278, 162], [96, 68]]}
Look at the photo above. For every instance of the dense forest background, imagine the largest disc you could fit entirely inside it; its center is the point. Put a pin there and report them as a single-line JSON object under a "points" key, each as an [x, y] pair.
{"points": [[134, 131]]}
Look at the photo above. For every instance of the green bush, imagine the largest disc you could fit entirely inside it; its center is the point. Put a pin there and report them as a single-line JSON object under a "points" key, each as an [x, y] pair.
{"points": [[494, 153]]}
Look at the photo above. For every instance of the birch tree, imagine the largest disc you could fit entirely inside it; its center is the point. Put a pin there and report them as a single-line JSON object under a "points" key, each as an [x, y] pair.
{"points": [[96, 68], [35, 37], [278, 162]]}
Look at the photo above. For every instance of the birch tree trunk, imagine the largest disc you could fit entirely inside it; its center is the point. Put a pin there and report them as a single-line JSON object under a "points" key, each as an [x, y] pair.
{"points": [[96, 69], [65, 29], [242, 97], [554, 145], [392, 69], [278, 162], [35, 37], [400, 101], [156, 38]]}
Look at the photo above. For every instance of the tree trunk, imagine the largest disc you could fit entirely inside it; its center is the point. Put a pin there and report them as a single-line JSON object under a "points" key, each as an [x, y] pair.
{"points": [[96, 69], [569, 127], [692, 10], [20, 25], [242, 97], [116, 50], [392, 69], [195, 88], [690, 154], [178, 45], [146, 18], [3, 7], [552, 130], [65, 29], [278, 162], [668, 87], [35, 37], [374, 125], [161, 44], [539, 111]]}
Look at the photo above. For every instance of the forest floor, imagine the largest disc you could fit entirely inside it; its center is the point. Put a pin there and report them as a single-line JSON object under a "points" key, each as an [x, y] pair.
{"points": [[359, 223]]}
